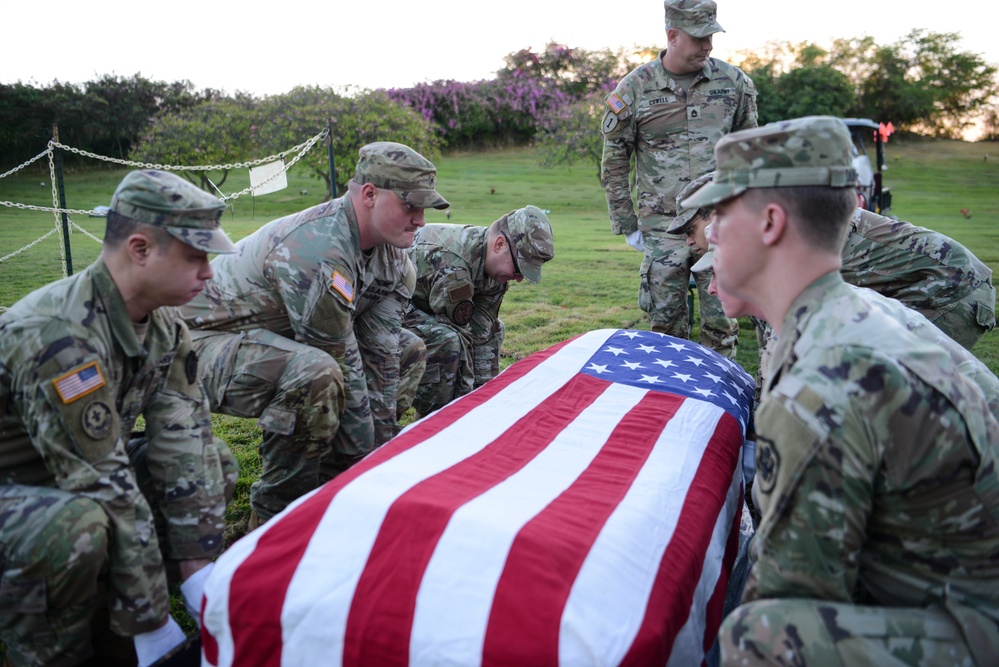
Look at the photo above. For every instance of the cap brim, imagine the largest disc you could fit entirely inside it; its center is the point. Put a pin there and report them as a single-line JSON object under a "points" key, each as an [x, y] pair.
{"points": [[704, 263], [705, 31], [205, 240], [423, 198], [711, 194], [681, 222], [528, 269]]}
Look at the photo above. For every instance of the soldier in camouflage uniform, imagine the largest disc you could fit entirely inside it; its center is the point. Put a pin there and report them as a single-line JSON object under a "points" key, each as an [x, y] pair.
{"points": [[668, 114], [302, 327], [80, 361], [876, 460], [923, 269], [462, 273]]}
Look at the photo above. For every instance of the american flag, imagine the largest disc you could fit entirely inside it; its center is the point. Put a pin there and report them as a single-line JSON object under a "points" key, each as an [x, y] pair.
{"points": [[342, 285], [582, 508], [79, 382]]}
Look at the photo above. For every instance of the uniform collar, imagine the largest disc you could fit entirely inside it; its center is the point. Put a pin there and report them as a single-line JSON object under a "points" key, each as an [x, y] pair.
{"points": [[121, 325]]}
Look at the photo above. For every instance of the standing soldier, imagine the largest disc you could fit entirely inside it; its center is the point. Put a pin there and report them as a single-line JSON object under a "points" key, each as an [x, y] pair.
{"points": [[667, 115], [462, 274], [301, 328], [876, 454], [80, 360]]}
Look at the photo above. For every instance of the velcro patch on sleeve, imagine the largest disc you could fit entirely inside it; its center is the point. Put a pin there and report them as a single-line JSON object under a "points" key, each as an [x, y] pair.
{"points": [[340, 283], [79, 382], [460, 292]]}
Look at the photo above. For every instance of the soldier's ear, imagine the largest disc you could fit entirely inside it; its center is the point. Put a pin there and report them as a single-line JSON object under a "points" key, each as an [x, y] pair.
{"points": [[773, 223], [138, 246]]}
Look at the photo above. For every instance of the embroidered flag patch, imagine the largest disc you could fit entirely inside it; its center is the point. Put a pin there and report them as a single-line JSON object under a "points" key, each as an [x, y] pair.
{"points": [[616, 104], [79, 382], [343, 286]]}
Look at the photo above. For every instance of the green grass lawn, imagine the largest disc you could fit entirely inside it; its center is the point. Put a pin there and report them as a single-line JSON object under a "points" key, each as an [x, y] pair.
{"points": [[591, 283]]}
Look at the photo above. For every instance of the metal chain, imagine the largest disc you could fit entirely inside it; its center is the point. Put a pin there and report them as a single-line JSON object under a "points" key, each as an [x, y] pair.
{"points": [[307, 146], [211, 167], [36, 241], [25, 164], [85, 232]]}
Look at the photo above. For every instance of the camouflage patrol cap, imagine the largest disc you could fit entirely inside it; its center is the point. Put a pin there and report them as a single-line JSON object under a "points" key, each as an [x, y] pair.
{"points": [[685, 215], [165, 200], [397, 167], [705, 262], [814, 150], [697, 18], [530, 232]]}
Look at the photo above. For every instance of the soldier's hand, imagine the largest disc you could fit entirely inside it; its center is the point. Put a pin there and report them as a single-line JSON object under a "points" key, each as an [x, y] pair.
{"points": [[636, 240]]}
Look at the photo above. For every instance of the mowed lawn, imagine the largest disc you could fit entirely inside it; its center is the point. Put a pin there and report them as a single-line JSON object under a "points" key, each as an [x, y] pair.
{"points": [[592, 282]]}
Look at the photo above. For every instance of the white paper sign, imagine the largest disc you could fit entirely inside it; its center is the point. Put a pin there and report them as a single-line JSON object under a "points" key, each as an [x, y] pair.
{"points": [[268, 178]]}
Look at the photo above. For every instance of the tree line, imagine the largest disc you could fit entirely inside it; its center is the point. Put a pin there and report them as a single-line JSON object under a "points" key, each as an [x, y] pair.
{"points": [[922, 84]]}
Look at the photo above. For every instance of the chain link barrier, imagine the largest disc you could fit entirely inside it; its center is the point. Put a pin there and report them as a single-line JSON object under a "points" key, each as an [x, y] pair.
{"points": [[299, 151]]}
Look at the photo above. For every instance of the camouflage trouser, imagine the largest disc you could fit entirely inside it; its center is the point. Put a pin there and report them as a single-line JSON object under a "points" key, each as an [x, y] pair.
{"points": [[393, 367], [967, 319], [394, 360], [413, 364], [224, 480], [53, 553], [812, 633], [297, 393], [662, 293], [454, 366]]}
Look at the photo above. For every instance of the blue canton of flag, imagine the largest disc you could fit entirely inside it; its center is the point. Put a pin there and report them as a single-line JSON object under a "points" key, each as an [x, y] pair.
{"points": [[650, 360]]}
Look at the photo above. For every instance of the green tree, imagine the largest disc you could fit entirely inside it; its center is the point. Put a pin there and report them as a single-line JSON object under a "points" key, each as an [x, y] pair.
{"points": [[920, 83], [216, 132], [573, 134], [289, 119], [815, 90]]}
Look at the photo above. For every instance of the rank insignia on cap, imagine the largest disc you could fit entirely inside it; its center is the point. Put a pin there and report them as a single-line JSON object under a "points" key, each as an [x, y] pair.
{"points": [[616, 104], [79, 382], [343, 286]]}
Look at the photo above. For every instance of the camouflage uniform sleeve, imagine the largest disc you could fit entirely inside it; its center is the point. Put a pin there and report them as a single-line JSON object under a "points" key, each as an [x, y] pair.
{"points": [[184, 462], [78, 434], [451, 297], [814, 487], [484, 315], [377, 330], [746, 112], [618, 131]]}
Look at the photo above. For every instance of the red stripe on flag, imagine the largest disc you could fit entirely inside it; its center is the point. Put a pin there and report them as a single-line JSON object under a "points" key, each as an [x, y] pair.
{"points": [[381, 614], [539, 579], [256, 624], [673, 590], [715, 608]]}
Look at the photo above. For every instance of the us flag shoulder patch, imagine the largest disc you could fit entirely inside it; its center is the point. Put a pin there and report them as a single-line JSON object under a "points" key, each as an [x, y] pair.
{"points": [[615, 103], [343, 286], [79, 382]]}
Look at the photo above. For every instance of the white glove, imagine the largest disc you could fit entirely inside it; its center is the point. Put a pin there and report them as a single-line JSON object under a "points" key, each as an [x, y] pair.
{"points": [[636, 240], [192, 590], [151, 646]]}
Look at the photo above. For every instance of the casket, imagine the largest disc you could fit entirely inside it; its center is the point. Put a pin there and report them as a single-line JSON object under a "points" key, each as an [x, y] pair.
{"points": [[581, 508]]}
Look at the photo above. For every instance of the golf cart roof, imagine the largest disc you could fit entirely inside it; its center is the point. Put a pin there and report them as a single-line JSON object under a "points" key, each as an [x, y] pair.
{"points": [[860, 122]]}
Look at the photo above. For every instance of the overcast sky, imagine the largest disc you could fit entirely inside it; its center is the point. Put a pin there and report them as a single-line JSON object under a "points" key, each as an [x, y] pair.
{"points": [[267, 48]]}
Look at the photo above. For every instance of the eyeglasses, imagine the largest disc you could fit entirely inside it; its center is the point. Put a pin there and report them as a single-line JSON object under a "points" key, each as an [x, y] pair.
{"points": [[705, 213], [513, 256]]}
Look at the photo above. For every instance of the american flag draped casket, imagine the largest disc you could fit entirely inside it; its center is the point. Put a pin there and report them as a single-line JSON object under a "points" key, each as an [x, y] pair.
{"points": [[582, 508]]}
